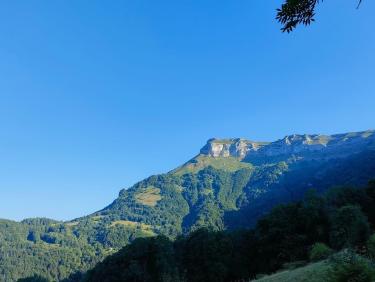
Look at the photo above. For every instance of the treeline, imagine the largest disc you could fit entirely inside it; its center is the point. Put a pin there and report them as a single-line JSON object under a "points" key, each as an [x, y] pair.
{"points": [[56, 249], [311, 229]]}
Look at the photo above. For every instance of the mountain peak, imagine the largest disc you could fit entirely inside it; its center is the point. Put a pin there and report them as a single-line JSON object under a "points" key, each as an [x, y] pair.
{"points": [[235, 147]]}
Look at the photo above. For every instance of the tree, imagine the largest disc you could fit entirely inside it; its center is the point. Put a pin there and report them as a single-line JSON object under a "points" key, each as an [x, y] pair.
{"points": [[145, 260], [205, 256], [371, 247], [35, 278], [295, 12], [349, 227]]}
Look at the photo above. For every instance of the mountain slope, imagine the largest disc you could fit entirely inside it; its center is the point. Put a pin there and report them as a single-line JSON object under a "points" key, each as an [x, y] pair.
{"points": [[233, 182], [230, 184]]}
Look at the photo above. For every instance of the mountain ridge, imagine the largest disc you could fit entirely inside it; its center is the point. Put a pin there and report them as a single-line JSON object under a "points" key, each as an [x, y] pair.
{"points": [[230, 184], [242, 148]]}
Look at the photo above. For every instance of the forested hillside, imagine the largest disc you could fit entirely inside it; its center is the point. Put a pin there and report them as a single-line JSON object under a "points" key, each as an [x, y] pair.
{"points": [[229, 185], [336, 230]]}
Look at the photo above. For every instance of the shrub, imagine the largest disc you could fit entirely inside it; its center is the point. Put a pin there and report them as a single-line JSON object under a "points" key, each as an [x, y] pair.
{"points": [[350, 267], [319, 251], [371, 246]]}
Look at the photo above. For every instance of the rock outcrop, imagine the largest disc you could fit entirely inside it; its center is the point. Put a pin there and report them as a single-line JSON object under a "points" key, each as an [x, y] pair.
{"points": [[238, 148], [314, 146]]}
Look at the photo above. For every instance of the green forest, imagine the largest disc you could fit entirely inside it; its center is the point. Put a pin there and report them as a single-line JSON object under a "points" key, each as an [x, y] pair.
{"points": [[336, 228]]}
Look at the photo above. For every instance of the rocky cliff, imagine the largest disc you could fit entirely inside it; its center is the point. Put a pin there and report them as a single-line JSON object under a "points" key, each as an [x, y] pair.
{"points": [[312, 146], [238, 148]]}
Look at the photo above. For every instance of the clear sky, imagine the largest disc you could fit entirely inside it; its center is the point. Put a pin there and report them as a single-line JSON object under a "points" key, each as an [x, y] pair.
{"points": [[97, 95]]}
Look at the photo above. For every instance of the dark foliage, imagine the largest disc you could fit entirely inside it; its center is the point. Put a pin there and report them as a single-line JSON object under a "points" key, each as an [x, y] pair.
{"points": [[35, 278], [349, 266], [349, 227], [295, 12], [145, 260]]}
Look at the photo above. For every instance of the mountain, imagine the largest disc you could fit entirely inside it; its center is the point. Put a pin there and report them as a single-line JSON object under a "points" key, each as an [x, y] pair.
{"points": [[230, 184]]}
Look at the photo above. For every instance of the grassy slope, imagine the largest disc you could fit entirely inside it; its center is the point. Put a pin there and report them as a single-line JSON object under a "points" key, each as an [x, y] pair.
{"points": [[230, 164], [149, 196], [316, 272]]}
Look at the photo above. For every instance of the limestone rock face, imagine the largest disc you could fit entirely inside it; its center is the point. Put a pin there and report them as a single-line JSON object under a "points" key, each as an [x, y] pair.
{"points": [[238, 148], [314, 146]]}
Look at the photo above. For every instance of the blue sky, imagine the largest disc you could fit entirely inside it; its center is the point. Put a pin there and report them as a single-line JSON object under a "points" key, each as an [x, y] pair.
{"points": [[96, 96]]}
